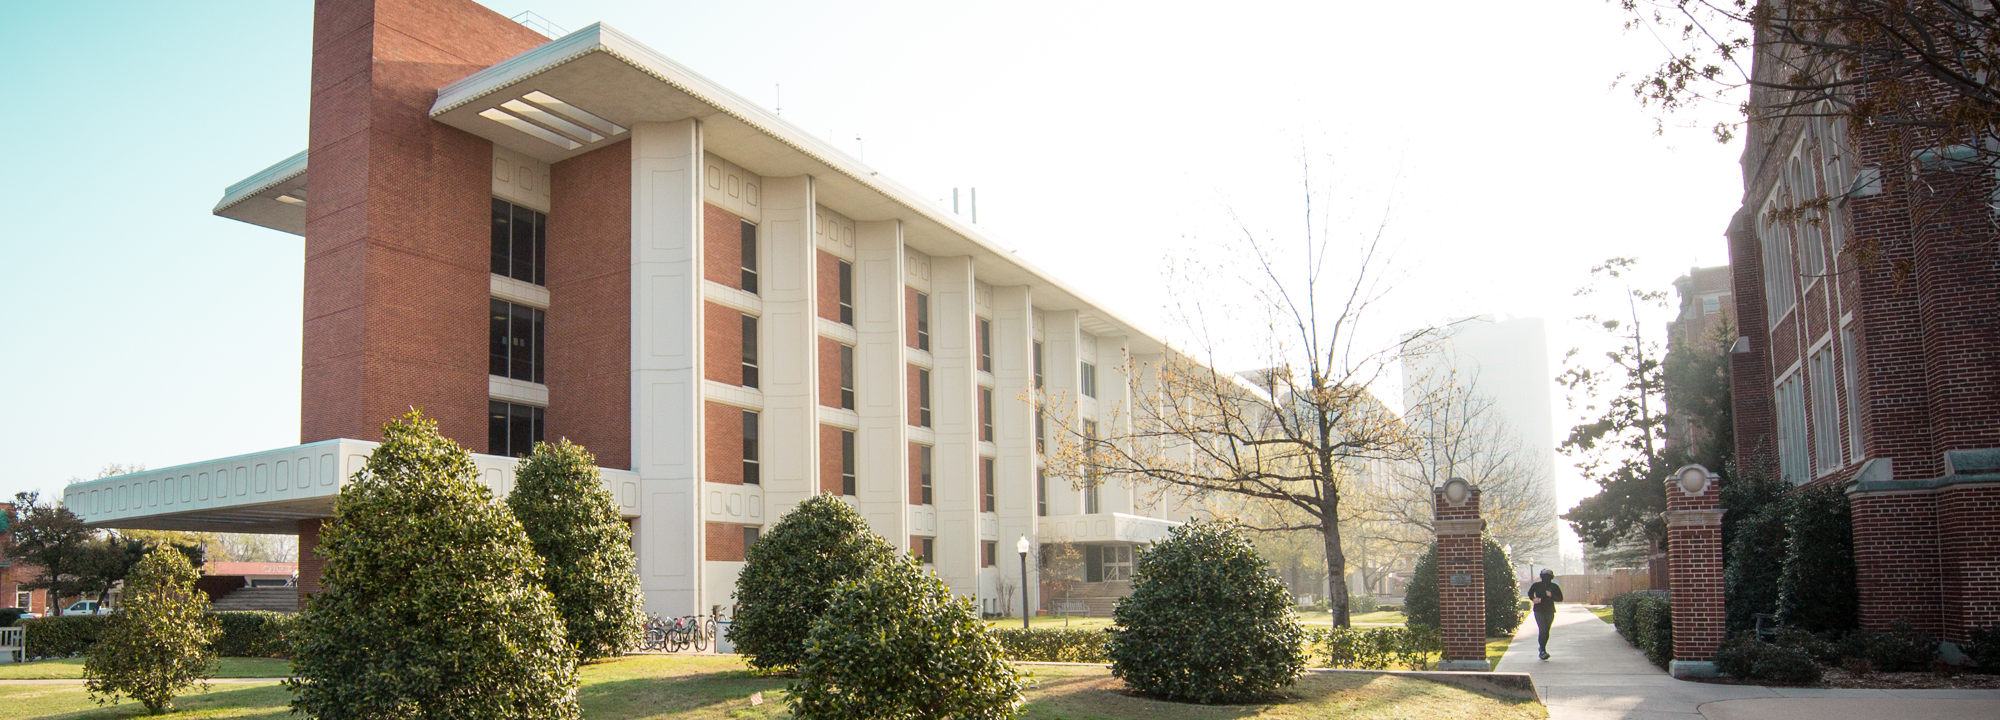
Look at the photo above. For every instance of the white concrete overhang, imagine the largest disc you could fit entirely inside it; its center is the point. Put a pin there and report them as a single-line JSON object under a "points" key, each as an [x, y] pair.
{"points": [[1103, 527], [267, 492], [274, 197], [586, 89]]}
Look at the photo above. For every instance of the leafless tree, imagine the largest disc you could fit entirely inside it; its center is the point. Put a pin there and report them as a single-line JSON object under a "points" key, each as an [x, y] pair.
{"points": [[1293, 433]]}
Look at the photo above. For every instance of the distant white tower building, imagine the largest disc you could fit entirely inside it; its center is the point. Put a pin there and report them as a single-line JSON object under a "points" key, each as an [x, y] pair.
{"points": [[1507, 361]]}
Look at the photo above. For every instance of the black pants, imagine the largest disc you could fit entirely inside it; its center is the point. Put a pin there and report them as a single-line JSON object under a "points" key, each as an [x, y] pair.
{"points": [[1543, 620]]}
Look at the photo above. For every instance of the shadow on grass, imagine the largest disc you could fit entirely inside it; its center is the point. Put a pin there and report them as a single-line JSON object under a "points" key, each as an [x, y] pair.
{"points": [[70, 702], [645, 697]]}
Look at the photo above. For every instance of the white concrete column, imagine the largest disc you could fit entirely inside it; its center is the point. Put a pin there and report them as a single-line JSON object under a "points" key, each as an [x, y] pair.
{"points": [[1114, 398], [666, 360], [955, 415], [1014, 434], [882, 447], [1059, 369], [790, 351]]}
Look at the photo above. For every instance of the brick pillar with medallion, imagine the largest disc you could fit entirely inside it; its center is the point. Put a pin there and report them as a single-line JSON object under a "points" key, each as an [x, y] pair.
{"points": [[1461, 576], [1694, 561]]}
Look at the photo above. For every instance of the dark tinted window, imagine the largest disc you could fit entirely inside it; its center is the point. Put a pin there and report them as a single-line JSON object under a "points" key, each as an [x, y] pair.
{"points": [[515, 340], [520, 242], [512, 430], [749, 536], [923, 322], [986, 414], [924, 476], [847, 482], [847, 377], [846, 292], [923, 398], [1038, 365], [751, 469], [986, 484], [986, 345], [749, 258], [749, 351]]}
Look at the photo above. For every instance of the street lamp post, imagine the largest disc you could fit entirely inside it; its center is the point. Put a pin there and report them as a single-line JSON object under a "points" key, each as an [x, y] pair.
{"points": [[1022, 546]]}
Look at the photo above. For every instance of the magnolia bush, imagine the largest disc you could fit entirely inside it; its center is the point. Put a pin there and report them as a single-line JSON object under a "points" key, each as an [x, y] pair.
{"points": [[585, 546], [158, 645], [790, 574], [1208, 621]]}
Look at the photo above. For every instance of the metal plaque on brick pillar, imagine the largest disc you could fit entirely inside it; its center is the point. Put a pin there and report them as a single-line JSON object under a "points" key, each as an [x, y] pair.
{"points": [[1694, 565], [1461, 576]]}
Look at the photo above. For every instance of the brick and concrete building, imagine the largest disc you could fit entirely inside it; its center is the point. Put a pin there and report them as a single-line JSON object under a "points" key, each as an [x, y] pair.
{"points": [[14, 574], [1869, 355], [534, 238]]}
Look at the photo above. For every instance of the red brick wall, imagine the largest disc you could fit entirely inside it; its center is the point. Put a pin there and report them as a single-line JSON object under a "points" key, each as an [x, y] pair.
{"points": [[916, 398], [829, 372], [397, 230], [310, 563], [917, 474], [828, 292], [829, 459], [1694, 542], [724, 444], [722, 246], [590, 303], [1896, 559], [725, 541], [1969, 555], [722, 351], [910, 315]]}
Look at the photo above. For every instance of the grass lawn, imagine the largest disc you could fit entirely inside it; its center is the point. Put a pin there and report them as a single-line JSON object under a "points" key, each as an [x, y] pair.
{"points": [[1602, 613], [1309, 618], [670, 687], [1496, 647], [1049, 621], [72, 668], [1321, 617]]}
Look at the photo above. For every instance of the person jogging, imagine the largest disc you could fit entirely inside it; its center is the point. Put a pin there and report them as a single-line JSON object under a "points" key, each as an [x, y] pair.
{"points": [[1545, 595]]}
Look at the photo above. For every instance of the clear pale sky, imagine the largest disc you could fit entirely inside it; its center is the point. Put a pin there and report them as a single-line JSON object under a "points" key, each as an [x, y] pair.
{"points": [[1106, 138]]}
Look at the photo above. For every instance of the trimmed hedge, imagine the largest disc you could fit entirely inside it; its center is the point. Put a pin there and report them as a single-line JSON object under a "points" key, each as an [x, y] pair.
{"points": [[1646, 620], [1374, 648], [62, 636], [1076, 645], [256, 634], [1745, 657], [244, 634], [9, 616], [1901, 648]]}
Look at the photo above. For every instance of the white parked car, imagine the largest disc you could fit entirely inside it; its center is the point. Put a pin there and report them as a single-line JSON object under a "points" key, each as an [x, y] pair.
{"points": [[86, 607]]}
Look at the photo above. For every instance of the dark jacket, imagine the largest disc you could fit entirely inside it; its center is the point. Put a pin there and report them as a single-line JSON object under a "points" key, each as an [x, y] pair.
{"points": [[1549, 592]]}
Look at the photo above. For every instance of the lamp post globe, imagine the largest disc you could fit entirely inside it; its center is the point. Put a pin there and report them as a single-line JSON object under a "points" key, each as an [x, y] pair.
{"points": [[1022, 546]]}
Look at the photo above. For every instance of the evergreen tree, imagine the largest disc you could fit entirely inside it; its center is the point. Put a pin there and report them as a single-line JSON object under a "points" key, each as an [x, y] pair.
{"points": [[1207, 621], [790, 575], [157, 646], [586, 548], [432, 603]]}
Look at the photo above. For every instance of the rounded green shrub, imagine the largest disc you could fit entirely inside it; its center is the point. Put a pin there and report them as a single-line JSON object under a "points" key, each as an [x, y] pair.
{"points": [[1901, 648], [1817, 588], [433, 605], [585, 546], [1208, 621], [158, 645], [255, 633], [1077, 645], [1503, 599], [897, 644], [1745, 657], [1646, 620], [789, 577]]}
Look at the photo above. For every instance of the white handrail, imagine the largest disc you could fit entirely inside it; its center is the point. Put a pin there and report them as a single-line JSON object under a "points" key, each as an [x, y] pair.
{"points": [[11, 641]]}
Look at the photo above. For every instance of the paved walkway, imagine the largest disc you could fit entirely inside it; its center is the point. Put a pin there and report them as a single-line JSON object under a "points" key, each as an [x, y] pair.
{"points": [[1592, 674]]}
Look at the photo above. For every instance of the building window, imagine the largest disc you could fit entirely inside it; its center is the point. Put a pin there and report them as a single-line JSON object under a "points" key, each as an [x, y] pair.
{"points": [[986, 484], [987, 552], [986, 414], [1041, 430], [924, 548], [1851, 365], [923, 398], [751, 474], [750, 533], [749, 258], [515, 341], [1041, 492], [1711, 305], [924, 474], [847, 377], [518, 238], [1090, 467], [846, 293], [1825, 412], [1086, 380], [1038, 364], [1791, 403], [24, 599], [847, 479], [1116, 561], [512, 430], [923, 322], [985, 345], [749, 351]]}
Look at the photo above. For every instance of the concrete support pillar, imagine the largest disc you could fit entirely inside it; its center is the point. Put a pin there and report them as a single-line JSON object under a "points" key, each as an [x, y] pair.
{"points": [[1013, 434], [955, 416], [1461, 576], [883, 446], [790, 344], [1694, 562], [666, 364]]}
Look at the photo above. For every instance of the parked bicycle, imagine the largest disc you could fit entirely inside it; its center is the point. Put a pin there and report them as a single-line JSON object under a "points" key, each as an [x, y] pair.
{"points": [[677, 634]]}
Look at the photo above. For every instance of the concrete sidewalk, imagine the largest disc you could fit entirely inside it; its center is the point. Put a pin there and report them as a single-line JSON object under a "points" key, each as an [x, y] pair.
{"points": [[1592, 674]]}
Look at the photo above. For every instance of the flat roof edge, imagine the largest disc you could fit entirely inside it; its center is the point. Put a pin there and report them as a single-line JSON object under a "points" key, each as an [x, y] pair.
{"points": [[262, 180]]}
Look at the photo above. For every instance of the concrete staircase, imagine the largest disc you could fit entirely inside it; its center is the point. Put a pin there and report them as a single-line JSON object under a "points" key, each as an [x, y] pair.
{"points": [[274, 599]]}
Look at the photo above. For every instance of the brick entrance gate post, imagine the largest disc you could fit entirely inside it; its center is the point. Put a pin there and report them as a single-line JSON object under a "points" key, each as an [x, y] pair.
{"points": [[1694, 561], [1461, 576]]}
